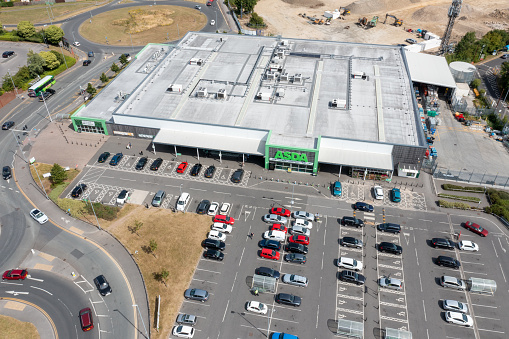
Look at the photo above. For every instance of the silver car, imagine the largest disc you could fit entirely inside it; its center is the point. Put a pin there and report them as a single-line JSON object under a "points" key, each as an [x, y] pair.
{"points": [[300, 230], [452, 282], [275, 219], [392, 283], [296, 280], [158, 198], [304, 215], [186, 319], [455, 306]]}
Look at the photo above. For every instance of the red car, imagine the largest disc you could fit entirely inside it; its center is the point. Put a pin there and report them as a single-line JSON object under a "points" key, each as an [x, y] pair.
{"points": [[269, 254], [224, 219], [87, 323], [182, 167], [15, 275], [280, 211], [278, 227], [476, 228], [299, 239]]}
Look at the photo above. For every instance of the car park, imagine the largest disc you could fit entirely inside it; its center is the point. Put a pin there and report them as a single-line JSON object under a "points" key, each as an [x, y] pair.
{"points": [[186, 319], [395, 195], [216, 235], [213, 254], [224, 219], [302, 223], [476, 228], [209, 172], [452, 282], [267, 272], [455, 306], [442, 260], [102, 285], [15, 274], [182, 167], [158, 198], [352, 277], [6, 172], [351, 242], [182, 201], [78, 190], [288, 299], [196, 294], [442, 243], [195, 171], [116, 159], [280, 211], [156, 164], [7, 54], [389, 227], [293, 279], [390, 248], [278, 227], [271, 244], [219, 226], [362, 206], [269, 254], [203, 207], [390, 283], [87, 62], [378, 192], [7, 125], [275, 219], [225, 208], [274, 235], [504, 56], [86, 320], [256, 307], [238, 174], [296, 248], [183, 331], [213, 208], [296, 258], [46, 94], [214, 244], [141, 163], [299, 239], [122, 197], [352, 221], [304, 215], [103, 157], [336, 189], [350, 263], [467, 245], [459, 319], [300, 230], [39, 216]]}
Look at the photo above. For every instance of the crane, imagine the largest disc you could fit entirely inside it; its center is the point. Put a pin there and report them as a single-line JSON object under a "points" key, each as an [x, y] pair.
{"points": [[454, 12]]}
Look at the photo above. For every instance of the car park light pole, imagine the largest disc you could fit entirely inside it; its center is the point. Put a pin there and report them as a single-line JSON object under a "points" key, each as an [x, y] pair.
{"points": [[44, 101], [15, 90], [181, 189]]}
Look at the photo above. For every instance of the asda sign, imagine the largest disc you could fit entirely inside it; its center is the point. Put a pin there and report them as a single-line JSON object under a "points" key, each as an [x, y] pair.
{"points": [[294, 156]]}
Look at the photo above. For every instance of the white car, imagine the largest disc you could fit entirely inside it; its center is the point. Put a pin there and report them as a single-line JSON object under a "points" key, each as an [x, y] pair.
{"points": [[40, 217], [459, 319], [76, 43], [256, 307], [122, 197], [212, 22], [225, 208], [296, 280], [213, 208], [467, 245], [275, 219], [379, 192], [455, 306], [300, 230], [303, 223], [197, 7], [183, 331], [391, 283], [304, 215], [183, 201], [216, 235], [219, 226], [350, 263], [275, 235]]}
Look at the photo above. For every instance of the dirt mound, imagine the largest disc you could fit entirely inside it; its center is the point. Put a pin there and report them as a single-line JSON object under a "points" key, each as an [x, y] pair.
{"points": [[431, 13], [499, 14], [305, 3]]}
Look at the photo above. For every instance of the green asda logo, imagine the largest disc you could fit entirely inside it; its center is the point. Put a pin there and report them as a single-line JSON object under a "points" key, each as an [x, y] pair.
{"points": [[291, 156]]}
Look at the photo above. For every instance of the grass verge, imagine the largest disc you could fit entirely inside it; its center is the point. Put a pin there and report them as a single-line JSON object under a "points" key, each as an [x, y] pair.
{"points": [[15, 329], [458, 205], [449, 187], [459, 197]]}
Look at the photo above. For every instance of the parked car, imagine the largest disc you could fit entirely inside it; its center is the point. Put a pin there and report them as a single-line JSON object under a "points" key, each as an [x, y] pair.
{"points": [[271, 244], [362, 206], [238, 174], [127, 56], [203, 207], [352, 221], [302, 223], [122, 197], [219, 226], [78, 190], [274, 235], [390, 248], [267, 272], [411, 41], [304, 215], [196, 294], [467, 245], [275, 219], [452, 282], [350, 263], [46, 94], [504, 56], [15, 274], [214, 244], [459, 319], [213, 254], [6, 172], [7, 54], [182, 201], [116, 159], [86, 320], [216, 235], [476, 228], [293, 279], [196, 169], [103, 157], [212, 22], [442, 243], [296, 248], [299, 239], [182, 167], [186, 319], [391, 283], [7, 125], [442, 260], [197, 7], [39, 216], [183, 331], [352, 277], [256, 307], [278, 227], [102, 285], [280, 211], [455, 306], [395, 195], [87, 62], [269, 254], [209, 172], [378, 192], [156, 164], [351, 242], [225, 208], [158, 198], [389, 227], [296, 258], [288, 299], [336, 189], [300, 230], [141, 163], [224, 219], [213, 208]]}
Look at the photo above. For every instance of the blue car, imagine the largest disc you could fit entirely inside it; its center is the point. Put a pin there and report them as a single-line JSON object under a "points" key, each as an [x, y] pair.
{"points": [[395, 195], [278, 335], [362, 206], [116, 159], [336, 189]]}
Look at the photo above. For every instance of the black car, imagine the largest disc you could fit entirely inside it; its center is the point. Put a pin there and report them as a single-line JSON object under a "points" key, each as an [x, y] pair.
{"points": [[295, 258], [116, 159], [213, 254], [351, 242], [45, 95], [196, 169], [442, 243], [296, 248], [389, 227], [103, 157], [78, 190], [6, 172], [442, 260], [272, 244], [351, 221], [7, 54], [267, 272], [390, 247], [156, 164], [141, 163], [8, 124], [209, 172], [87, 62], [362, 206], [102, 285], [352, 277], [288, 299], [203, 207], [238, 175], [214, 244]]}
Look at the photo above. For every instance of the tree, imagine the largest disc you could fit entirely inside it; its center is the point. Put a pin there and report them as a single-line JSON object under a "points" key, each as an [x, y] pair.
{"points": [[115, 68], [91, 89], [256, 20], [1, 28], [104, 78], [247, 6], [504, 76], [153, 246], [50, 60], [137, 226], [58, 174], [123, 59], [475, 83], [35, 64], [26, 29], [163, 275], [59, 56], [54, 34]]}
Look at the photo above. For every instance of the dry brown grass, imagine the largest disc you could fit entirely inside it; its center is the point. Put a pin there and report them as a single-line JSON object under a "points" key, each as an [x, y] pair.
{"points": [[46, 168], [187, 19], [178, 238], [15, 329], [141, 20]]}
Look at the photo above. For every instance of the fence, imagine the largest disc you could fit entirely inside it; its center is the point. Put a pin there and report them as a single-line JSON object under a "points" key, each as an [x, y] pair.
{"points": [[239, 26], [471, 177]]}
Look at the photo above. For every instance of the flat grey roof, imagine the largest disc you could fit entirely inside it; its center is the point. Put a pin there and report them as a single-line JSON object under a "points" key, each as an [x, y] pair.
{"points": [[430, 69], [289, 86]]}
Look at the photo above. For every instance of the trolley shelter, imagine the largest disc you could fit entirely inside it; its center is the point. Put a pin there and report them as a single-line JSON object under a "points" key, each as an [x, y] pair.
{"points": [[391, 333], [352, 329], [263, 283], [482, 285]]}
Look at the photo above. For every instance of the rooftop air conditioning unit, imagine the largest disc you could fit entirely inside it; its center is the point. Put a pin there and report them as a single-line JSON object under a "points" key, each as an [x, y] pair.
{"points": [[297, 78], [359, 75], [280, 92], [338, 103], [202, 92], [174, 88], [284, 77], [271, 76], [221, 94], [284, 42], [263, 96]]}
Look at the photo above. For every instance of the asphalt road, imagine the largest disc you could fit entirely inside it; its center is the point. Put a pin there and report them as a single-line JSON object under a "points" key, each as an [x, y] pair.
{"points": [[487, 72]]}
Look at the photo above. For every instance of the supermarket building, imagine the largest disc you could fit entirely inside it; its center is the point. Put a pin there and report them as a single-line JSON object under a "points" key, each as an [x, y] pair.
{"points": [[297, 105]]}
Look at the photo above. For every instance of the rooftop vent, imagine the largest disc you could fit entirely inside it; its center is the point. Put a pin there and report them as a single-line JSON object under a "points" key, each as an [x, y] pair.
{"points": [[174, 88], [202, 92], [297, 78], [284, 77], [271, 75], [359, 75], [221, 94], [263, 96], [338, 104], [284, 42]]}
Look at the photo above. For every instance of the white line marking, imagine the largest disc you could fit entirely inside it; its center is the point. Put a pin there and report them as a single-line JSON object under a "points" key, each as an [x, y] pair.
{"points": [[485, 306], [38, 288], [482, 329], [317, 313], [424, 307], [235, 279], [502, 272], [240, 261], [226, 309], [486, 318]]}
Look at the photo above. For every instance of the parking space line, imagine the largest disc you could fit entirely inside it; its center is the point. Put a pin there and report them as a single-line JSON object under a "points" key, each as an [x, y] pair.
{"points": [[286, 308], [502, 271], [482, 329], [210, 282], [477, 316], [226, 309], [475, 273], [489, 306], [394, 319], [339, 309], [392, 291], [350, 297], [392, 305], [201, 269], [389, 266], [279, 319], [195, 303], [473, 263]]}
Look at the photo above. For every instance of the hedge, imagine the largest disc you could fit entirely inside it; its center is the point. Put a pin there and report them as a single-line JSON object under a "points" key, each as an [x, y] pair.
{"points": [[459, 205], [499, 203], [10, 38], [459, 197], [449, 187]]}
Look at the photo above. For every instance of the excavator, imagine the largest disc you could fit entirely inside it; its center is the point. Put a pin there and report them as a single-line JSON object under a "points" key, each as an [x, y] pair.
{"points": [[346, 11], [363, 22], [397, 22]]}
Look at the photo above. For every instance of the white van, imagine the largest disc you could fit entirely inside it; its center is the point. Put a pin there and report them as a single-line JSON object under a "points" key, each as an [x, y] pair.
{"points": [[183, 201]]}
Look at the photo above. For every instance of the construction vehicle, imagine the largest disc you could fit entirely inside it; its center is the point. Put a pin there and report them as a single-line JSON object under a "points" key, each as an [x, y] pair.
{"points": [[397, 22], [363, 21], [346, 11], [373, 22]]}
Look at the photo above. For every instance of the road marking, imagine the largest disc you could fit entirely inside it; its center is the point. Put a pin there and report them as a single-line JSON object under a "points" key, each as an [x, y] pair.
{"points": [[420, 281], [201, 269], [394, 319], [197, 189], [502, 272], [416, 256], [226, 309], [242, 255], [338, 309], [485, 306], [482, 329], [424, 308], [127, 179], [393, 305], [494, 248], [317, 313], [473, 263], [321, 206], [235, 279], [475, 273], [38, 288], [350, 297], [486, 318], [210, 282], [40, 280]]}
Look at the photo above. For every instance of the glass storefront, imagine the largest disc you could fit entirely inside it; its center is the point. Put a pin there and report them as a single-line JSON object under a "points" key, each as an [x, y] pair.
{"points": [[89, 126], [294, 167], [91, 129]]}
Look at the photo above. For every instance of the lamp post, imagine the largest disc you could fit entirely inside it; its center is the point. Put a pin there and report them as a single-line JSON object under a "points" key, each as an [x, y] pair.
{"points": [[44, 37], [63, 56], [216, 17], [44, 101], [49, 16], [181, 189], [146, 334], [73, 38], [15, 90]]}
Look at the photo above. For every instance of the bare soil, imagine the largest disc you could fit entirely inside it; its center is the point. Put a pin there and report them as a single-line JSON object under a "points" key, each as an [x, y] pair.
{"points": [[15, 329]]}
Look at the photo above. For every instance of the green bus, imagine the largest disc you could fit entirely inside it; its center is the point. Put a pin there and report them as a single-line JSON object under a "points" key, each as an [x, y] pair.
{"points": [[41, 86]]}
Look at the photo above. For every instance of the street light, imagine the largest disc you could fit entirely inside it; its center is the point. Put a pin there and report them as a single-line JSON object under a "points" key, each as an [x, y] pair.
{"points": [[146, 334], [181, 189], [44, 101], [15, 90], [216, 19]]}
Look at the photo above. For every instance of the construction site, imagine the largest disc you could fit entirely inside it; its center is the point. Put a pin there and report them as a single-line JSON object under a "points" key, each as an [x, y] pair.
{"points": [[378, 21]]}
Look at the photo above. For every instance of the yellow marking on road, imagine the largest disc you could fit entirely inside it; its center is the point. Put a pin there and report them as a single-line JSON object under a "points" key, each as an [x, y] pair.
{"points": [[14, 306], [46, 256], [76, 230], [43, 267]]}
